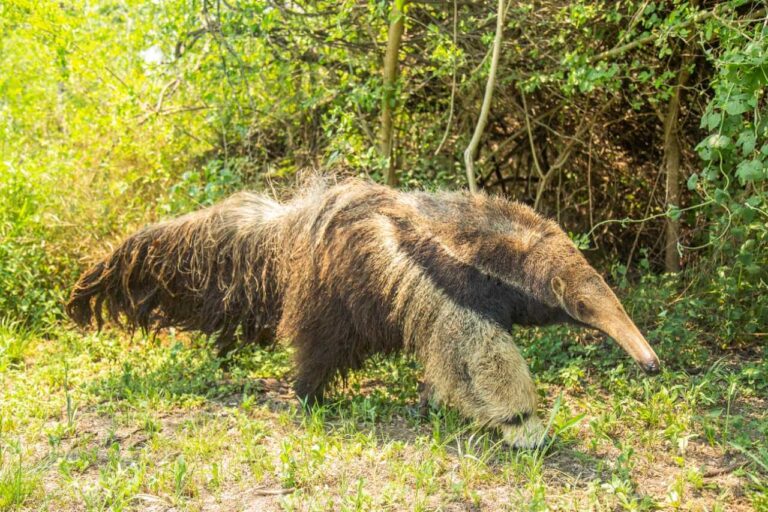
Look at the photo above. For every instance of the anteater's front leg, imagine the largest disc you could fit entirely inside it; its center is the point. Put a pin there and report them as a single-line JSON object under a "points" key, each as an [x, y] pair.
{"points": [[503, 382], [474, 365]]}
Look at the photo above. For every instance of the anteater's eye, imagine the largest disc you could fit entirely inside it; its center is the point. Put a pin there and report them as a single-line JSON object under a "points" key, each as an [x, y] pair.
{"points": [[581, 308]]}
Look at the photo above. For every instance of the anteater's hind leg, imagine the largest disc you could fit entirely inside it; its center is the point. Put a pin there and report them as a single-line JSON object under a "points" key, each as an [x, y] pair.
{"points": [[474, 365], [226, 341], [320, 355], [325, 342], [313, 371], [425, 395]]}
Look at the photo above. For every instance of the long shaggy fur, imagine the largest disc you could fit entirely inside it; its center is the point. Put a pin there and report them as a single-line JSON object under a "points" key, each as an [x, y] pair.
{"points": [[349, 270], [211, 271]]}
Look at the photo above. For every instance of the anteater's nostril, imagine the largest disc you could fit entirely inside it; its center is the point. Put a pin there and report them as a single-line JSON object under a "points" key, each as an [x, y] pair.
{"points": [[651, 368]]}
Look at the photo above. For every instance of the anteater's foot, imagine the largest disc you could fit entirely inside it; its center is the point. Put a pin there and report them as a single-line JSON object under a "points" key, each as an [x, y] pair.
{"points": [[224, 349], [425, 395], [529, 435], [309, 395]]}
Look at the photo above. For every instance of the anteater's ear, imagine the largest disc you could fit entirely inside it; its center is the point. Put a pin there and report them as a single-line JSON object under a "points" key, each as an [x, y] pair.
{"points": [[558, 288]]}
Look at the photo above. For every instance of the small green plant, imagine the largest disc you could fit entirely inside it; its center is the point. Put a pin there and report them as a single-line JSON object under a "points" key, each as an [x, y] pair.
{"points": [[15, 340], [71, 408], [359, 499], [78, 462], [289, 465], [758, 473], [180, 476], [18, 481], [215, 479]]}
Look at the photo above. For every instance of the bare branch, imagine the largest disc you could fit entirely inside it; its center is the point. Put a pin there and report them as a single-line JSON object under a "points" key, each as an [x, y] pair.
{"points": [[453, 80], [471, 152]]}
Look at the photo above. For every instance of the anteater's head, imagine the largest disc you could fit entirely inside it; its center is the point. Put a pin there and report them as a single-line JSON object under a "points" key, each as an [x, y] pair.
{"points": [[585, 296]]}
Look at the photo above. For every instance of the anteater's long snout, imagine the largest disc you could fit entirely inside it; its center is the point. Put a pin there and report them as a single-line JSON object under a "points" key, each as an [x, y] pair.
{"points": [[652, 367], [628, 336]]}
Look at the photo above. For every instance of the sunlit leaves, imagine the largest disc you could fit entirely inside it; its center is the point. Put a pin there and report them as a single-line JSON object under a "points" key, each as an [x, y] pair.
{"points": [[750, 171]]}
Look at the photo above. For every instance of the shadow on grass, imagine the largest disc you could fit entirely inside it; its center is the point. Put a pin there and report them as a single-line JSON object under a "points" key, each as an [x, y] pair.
{"points": [[173, 373], [380, 403]]}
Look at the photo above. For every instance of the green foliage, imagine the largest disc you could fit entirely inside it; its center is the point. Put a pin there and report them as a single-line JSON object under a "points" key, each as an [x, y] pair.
{"points": [[198, 188], [135, 111], [31, 277], [73, 164], [15, 341], [115, 114], [180, 374], [732, 181], [18, 481]]}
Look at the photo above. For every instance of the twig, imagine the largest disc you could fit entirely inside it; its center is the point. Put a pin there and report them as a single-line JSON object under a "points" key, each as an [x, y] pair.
{"points": [[642, 224], [530, 137], [629, 220], [261, 491], [172, 84], [471, 151], [564, 156], [520, 133], [589, 182], [453, 80], [619, 50], [724, 471]]}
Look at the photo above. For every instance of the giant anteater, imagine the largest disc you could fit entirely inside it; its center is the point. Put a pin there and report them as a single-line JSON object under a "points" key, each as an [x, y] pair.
{"points": [[349, 270]]}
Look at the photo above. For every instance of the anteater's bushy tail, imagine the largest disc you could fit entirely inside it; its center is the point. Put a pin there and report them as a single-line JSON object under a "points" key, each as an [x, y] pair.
{"points": [[212, 271]]}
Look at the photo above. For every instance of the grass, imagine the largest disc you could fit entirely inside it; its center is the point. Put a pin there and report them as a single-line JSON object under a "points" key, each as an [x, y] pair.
{"points": [[17, 482], [105, 422]]}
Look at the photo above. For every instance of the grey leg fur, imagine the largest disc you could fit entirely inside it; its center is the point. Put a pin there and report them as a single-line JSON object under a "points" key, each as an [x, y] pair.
{"points": [[474, 365]]}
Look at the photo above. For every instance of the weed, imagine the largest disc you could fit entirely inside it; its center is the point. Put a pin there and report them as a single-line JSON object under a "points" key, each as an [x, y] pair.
{"points": [[152, 422], [18, 481], [15, 340]]}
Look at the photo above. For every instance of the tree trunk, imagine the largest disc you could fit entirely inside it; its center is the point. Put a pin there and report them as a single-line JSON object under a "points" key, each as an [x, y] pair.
{"points": [[672, 156], [390, 74]]}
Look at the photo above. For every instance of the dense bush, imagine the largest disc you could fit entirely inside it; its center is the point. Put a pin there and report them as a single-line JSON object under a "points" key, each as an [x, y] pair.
{"points": [[30, 274], [113, 114]]}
